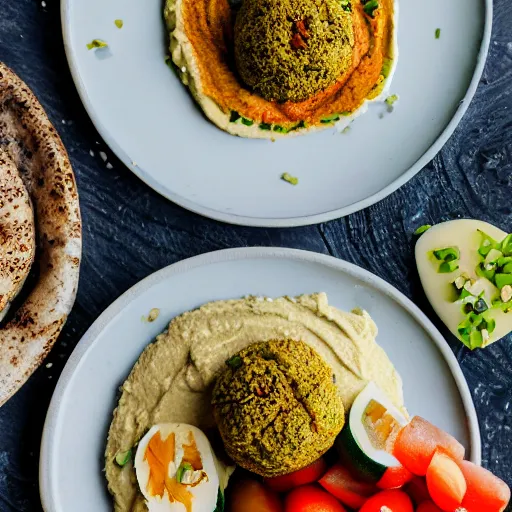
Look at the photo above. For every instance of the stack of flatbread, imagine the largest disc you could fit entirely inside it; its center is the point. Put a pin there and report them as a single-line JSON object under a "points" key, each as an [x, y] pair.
{"points": [[40, 234]]}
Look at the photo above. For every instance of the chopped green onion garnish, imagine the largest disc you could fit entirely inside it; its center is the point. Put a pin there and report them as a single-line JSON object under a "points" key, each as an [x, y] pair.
{"points": [[438, 33], [123, 458], [265, 126], [290, 179], [506, 245], [184, 466], [507, 269], [481, 271], [422, 229], [247, 122], [448, 266], [503, 280], [119, 23], [502, 262], [487, 244], [280, 129], [391, 100], [235, 362], [370, 6], [96, 43], [448, 254], [475, 339], [492, 257], [234, 117]]}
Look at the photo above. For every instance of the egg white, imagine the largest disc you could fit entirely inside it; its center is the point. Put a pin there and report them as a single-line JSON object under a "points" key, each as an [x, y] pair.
{"points": [[204, 494]]}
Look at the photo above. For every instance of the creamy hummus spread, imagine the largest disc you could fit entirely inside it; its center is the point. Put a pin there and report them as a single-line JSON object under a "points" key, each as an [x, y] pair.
{"points": [[201, 37], [172, 380]]}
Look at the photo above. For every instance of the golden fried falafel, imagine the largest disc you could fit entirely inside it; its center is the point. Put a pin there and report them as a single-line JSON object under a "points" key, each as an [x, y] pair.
{"points": [[287, 50], [276, 407]]}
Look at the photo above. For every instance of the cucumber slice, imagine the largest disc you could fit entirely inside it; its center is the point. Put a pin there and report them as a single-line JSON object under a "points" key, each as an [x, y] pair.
{"points": [[373, 420]]}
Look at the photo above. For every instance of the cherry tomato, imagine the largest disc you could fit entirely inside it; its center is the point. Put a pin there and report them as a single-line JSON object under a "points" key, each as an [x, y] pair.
{"points": [[253, 496], [394, 478], [395, 501], [428, 506], [307, 475], [310, 498]]}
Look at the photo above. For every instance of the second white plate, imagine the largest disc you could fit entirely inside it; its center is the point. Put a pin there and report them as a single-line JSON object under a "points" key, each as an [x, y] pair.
{"points": [[71, 463], [149, 120]]}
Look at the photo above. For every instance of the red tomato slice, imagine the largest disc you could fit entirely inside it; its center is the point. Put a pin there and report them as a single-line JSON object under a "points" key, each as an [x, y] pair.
{"points": [[485, 491], [340, 483], [428, 506], [395, 501], [417, 442], [394, 478], [310, 498], [253, 496], [417, 490], [307, 475], [445, 482]]}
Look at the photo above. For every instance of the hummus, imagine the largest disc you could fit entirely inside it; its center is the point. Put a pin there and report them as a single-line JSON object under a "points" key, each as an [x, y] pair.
{"points": [[201, 42], [172, 380]]}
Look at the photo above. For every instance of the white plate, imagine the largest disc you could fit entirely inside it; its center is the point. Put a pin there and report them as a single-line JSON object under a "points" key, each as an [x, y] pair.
{"points": [[71, 476], [148, 119]]}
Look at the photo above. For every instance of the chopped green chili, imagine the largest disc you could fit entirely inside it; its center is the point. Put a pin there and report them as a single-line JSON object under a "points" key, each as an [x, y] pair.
{"points": [[292, 180], [448, 266], [422, 229], [235, 362], [123, 457], [265, 126], [391, 100], [97, 43], [448, 254], [184, 466], [438, 33]]}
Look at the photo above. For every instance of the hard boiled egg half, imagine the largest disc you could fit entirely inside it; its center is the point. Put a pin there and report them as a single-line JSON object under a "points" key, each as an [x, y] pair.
{"points": [[465, 267], [177, 470]]}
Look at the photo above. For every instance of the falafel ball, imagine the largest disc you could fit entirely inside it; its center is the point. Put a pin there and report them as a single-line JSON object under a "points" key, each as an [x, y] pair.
{"points": [[288, 50], [277, 408]]}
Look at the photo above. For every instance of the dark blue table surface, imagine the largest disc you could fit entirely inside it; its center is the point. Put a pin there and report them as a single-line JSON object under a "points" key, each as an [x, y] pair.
{"points": [[129, 231]]}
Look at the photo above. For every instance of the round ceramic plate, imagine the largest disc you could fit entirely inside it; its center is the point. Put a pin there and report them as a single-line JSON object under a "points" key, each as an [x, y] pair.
{"points": [[71, 464], [150, 121]]}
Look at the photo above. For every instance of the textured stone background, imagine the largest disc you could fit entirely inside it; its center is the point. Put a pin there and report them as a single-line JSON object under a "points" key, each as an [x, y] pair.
{"points": [[129, 231]]}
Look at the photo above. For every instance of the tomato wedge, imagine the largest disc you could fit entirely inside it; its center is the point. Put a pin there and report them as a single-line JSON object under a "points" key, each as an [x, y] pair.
{"points": [[310, 498], [485, 491], [417, 442], [428, 506], [307, 475], [340, 483], [445, 482], [394, 478], [395, 501]]}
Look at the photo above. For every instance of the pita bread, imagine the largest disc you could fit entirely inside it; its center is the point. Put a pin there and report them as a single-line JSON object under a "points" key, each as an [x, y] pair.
{"points": [[17, 233], [36, 151]]}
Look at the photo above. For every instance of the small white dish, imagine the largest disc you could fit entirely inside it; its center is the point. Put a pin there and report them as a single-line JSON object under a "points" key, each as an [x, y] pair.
{"points": [[74, 437], [151, 123]]}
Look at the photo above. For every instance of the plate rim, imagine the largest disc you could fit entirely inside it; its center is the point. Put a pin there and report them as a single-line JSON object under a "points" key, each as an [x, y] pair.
{"points": [[237, 254], [279, 222]]}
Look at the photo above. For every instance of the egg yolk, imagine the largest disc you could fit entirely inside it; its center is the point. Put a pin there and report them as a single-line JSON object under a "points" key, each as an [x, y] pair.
{"points": [[159, 454]]}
